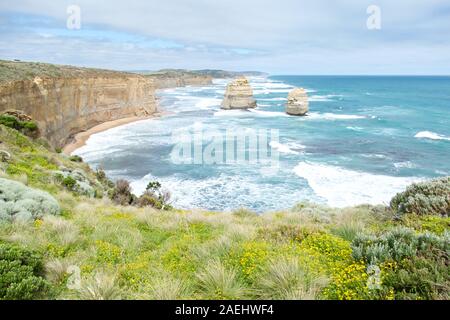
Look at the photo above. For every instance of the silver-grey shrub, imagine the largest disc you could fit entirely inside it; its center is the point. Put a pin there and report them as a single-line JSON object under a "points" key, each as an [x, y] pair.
{"points": [[397, 244], [19, 202], [425, 198]]}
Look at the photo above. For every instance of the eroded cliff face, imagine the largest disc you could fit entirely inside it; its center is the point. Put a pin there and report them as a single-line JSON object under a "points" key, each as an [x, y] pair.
{"points": [[63, 107], [182, 82], [179, 79]]}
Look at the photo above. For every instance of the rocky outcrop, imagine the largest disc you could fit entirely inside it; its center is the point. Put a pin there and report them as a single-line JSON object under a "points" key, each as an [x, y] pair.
{"points": [[297, 104], [65, 103], [239, 95]]}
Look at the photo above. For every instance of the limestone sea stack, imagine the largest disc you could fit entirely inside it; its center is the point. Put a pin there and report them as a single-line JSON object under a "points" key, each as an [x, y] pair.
{"points": [[239, 95], [297, 104]]}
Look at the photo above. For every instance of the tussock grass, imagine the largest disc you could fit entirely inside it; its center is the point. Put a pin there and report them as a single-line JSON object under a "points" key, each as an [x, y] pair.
{"points": [[217, 281], [286, 279], [101, 286]]}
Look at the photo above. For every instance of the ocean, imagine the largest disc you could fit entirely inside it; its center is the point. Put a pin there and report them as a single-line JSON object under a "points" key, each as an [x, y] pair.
{"points": [[365, 139]]}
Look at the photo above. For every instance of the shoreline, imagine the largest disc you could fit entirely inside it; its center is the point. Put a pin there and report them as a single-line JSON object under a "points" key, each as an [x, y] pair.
{"points": [[79, 140]]}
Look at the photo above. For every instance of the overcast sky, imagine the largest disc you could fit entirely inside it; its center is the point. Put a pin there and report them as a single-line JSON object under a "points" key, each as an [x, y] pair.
{"points": [[279, 37]]}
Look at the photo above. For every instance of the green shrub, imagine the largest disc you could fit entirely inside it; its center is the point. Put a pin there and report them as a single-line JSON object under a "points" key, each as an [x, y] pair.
{"points": [[20, 274], [76, 158], [10, 121], [153, 186], [161, 196], [434, 224], [426, 198], [101, 176], [18, 201], [29, 128], [420, 278], [75, 181], [148, 200], [69, 182]]}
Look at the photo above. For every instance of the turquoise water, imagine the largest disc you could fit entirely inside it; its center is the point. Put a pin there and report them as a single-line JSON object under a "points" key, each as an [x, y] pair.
{"points": [[365, 139]]}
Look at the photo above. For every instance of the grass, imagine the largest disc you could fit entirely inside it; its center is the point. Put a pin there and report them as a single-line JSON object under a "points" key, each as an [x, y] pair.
{"points": [[124, 252], [20, 70]]}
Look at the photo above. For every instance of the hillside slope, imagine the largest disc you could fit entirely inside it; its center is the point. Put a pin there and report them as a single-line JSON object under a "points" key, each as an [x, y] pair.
{"points": [[95, 249]]}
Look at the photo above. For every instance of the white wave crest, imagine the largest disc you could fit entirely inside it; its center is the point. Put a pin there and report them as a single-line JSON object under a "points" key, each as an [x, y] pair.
{"points": [[273, 99], [431, 135], [268, 113], [207, 103], [333, 116], [286, 148], [342, 188]]}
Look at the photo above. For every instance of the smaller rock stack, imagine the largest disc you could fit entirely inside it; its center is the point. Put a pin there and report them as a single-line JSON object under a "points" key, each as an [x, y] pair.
{"points": [[239, 95], [297, 104]]}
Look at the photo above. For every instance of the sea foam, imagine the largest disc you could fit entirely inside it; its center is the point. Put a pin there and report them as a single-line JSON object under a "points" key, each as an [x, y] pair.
{"points": [[342, 187], [333, 116], [286, 148], [431, 135]]}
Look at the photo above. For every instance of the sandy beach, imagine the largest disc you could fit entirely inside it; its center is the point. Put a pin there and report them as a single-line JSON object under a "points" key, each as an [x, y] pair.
{"points": [[80, 139]]}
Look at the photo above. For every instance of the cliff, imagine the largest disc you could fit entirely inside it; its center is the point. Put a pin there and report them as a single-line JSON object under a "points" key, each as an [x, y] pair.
{"points": [[65, 100], [178, 78], [170, 78]]}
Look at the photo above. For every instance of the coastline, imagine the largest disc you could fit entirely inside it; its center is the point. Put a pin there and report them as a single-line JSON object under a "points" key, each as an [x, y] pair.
{"points": [[80, 138]]}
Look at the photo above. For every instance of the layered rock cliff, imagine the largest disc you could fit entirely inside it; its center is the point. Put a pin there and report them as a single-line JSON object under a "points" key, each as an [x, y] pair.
{"points": [[178, 78], [67, 100], [297, 104], [239, 95]]}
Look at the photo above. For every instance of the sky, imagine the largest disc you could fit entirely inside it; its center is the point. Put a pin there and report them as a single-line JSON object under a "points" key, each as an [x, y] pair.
{"points": [[278, 37]]}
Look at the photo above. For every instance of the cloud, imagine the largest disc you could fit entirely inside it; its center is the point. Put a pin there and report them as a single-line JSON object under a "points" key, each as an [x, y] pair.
{"points": [[287, 36]]}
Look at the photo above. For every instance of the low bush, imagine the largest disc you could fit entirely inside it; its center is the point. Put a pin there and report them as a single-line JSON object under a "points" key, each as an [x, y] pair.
{"points": [[121, 194], [18, 201], [425, 198], [420, 278], [20, 273], [420, 265], [69, 182], [29, 128], [76, 158], [76, 181], [397, 244], [147, 199]]}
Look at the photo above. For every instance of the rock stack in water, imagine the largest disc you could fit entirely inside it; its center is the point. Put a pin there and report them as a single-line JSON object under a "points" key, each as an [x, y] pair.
{"points": [[239, 95], [297, 104]]}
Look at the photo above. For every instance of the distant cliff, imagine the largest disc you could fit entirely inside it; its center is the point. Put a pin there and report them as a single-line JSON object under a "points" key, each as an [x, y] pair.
{"points": [[170, 78], [178, 78], [66, 100]]}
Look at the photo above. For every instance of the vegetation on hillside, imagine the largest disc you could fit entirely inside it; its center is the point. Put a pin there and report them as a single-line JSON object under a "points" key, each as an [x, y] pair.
{"points": [[111, 244], [19, 70]]}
